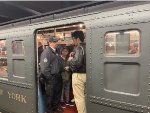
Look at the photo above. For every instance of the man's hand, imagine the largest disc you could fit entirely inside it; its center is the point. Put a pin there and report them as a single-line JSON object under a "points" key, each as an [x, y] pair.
{"points": [[70, 58], [72, 54], [67, 68]]}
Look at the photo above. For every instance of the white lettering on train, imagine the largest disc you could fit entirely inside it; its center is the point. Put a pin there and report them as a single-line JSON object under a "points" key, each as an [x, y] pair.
{"points": [[17, 97]]}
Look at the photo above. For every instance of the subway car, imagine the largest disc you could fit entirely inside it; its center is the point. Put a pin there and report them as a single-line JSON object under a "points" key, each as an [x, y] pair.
{"points": [[118, 57]]}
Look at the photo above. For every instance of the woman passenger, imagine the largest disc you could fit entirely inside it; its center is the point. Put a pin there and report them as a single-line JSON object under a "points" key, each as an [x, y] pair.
{"points": [[66, 80]]}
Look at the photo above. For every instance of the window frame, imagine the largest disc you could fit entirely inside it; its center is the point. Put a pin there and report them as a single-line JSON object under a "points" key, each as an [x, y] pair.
{"points": [[3, 77], [23, 48], [123, 55]]}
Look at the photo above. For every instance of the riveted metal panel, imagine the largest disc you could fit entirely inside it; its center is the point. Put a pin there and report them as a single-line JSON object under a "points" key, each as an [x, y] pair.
{"points": [[20, 90], [89, 63], [97, 52], [97, 108], [122, 16], [117, 100], [41, 19], [16, 99], [22, 23], [118, 73], [6, 26], [111, 6], [69, 13]]}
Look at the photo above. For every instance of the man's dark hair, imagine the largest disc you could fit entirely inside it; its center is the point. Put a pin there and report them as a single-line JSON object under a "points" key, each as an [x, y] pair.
{"points": [[78, 34]]}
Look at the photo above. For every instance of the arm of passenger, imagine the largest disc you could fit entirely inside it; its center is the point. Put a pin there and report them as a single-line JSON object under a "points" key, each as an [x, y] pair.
{"points": [[77, 60]]}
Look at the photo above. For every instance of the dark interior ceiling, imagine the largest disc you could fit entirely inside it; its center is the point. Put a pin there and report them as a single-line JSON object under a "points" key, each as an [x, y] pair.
{"points": [[12, 10]]}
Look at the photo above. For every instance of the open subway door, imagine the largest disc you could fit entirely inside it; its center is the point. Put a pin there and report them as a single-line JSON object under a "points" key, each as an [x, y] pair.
{"points": [[63, 33], [18, 87]]}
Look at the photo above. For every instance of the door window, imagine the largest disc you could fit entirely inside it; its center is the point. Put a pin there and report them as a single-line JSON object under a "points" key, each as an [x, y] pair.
{"points": [[122, 43], [18, 47]]}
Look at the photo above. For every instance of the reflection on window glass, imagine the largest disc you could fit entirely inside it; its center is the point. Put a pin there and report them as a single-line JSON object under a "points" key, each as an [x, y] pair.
{"points": [[110, 43], [18, 47], [3, 59], [2, 48], [122, 43]]}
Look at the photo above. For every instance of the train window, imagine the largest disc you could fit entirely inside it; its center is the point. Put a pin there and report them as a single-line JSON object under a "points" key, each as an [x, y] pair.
{"points": [[122, 43], [3, 59], [18, 47]]}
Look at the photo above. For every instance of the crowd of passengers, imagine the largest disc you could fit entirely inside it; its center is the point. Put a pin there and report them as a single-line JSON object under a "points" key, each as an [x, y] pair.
{"points": [[60, 70]]}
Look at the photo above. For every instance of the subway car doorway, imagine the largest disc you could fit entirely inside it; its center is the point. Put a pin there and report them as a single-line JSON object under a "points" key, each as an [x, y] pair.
{"points": [[63, 34]]}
